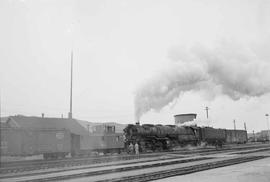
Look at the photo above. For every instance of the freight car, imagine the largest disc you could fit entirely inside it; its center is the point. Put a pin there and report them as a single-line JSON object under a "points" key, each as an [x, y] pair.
{"points": [[212, 136], [52, 143], [236, 136], [58, 143]]}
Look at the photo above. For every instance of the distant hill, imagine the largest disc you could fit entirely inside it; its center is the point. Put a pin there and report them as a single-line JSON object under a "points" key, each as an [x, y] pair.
{"points": [[118, 127]]}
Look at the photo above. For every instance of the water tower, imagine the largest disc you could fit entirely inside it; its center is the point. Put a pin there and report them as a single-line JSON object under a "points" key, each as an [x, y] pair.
{"points": [[182, 118]]}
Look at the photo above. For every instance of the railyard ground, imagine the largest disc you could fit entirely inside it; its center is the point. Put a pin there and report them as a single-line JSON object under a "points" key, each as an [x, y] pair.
{"points": [[255, 171]]}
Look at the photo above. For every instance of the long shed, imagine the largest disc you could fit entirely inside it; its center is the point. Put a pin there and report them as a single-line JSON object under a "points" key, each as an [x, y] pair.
{"points": [[33, 122]]}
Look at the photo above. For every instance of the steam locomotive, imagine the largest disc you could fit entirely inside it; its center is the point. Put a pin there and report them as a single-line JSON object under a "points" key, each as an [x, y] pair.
{"points": [[165, 137]]}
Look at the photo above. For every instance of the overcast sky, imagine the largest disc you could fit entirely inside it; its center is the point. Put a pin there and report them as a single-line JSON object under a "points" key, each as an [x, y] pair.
{"points": [[118, 46]]}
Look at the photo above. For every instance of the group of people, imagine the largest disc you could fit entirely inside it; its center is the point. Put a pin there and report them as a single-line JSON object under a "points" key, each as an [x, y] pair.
{"points": [[133, 148]]}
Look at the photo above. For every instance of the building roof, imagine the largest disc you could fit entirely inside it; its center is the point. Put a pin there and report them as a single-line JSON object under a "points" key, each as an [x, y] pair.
{"points": [[189, 114], [34, 122], [119, 128]]}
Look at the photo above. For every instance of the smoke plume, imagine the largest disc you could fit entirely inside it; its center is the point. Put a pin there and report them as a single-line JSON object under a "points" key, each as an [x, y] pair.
{"points": [[229, 69], [197, 122]]}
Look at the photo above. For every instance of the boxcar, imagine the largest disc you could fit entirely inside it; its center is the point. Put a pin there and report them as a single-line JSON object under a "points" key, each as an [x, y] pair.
{"points": [[53, 143], [236, 136], [212, 135], [12, 142], [22, 142]]}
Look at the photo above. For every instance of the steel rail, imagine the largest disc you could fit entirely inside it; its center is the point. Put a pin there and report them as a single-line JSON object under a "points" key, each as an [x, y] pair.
{"points": [[114, 170], [97, 160], [183, 170]]}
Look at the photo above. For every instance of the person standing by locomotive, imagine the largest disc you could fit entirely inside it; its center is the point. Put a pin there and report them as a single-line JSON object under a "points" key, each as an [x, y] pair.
{"points": [[131, 148], [137, 148]]}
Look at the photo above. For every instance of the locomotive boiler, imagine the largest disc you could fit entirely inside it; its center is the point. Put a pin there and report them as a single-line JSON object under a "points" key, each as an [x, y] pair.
{"points": [[160, 137]]}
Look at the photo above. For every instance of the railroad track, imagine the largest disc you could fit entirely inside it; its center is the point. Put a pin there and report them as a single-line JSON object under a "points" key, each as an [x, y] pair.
{"points": [[183, 170], [182, 151], [124, 167], [89, 167], [40, 165], [115, 157], [66, 163], [113, 170], [23, 166], [251, 151], [265, 148], [150, 175], [124, 163]]}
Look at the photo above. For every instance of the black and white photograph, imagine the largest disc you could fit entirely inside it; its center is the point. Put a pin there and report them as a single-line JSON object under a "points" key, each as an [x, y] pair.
{"points": [[134, 90]]}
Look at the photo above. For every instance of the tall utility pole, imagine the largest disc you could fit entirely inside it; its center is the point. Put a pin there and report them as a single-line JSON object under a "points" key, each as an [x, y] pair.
{"points": [[71, 78], [0, 108], [254, 136], [207, 108], [267, 118], [234, 126], [245, 126], [0, 128], [0, 132]]}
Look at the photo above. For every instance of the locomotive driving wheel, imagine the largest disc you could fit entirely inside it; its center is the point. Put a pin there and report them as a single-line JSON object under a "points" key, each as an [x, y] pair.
{"points": [[158, 146]]}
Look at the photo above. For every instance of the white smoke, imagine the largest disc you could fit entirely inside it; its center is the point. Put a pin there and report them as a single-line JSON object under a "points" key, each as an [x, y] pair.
{"points": [[196, 122], [229, 69]]}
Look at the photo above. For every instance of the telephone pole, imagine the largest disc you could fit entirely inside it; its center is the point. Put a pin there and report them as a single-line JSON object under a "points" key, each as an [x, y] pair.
{"points": [[254, 137], [234, 128], [245, 126], [0, 131], [267, 118], [88, 129], [71, 79], [207, 108]]}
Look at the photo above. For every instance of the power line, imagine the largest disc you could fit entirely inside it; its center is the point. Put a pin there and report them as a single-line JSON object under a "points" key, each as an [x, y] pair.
{"points": [[267, 115]]}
